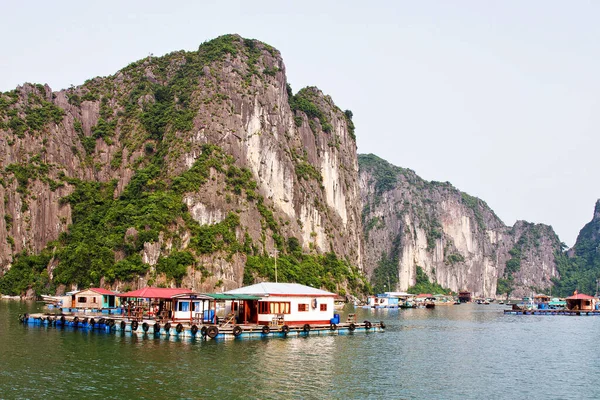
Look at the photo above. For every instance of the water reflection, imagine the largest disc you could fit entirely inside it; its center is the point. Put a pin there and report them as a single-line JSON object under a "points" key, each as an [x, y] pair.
{"points": [[450, 352]]}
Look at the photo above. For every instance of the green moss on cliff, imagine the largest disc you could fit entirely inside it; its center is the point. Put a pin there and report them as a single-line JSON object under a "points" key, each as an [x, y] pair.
{"points": [[424, 285]]}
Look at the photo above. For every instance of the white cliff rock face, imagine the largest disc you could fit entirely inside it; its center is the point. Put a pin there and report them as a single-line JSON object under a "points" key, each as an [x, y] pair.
{"points": [[333, 186], [455, 238], [152, 252], [201, 213]]}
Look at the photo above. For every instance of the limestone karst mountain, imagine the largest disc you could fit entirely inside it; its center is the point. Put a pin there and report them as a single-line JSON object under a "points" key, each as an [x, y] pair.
{"points": [[456, 239], [198, 168]]}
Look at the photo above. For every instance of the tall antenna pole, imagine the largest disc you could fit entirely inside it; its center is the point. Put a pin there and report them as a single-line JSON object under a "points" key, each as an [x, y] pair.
{"points": [[275, 265]]}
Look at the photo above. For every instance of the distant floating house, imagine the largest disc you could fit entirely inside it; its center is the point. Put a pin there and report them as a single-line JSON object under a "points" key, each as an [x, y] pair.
{"points": [[385, 300], [464, 296], [287, 303], [94, 298], [581, 302]]}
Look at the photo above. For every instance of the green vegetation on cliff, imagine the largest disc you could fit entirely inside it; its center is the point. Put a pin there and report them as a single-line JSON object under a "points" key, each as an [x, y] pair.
{"points": [[146, 110], [318, 271], [385, 275], [424, 285], [579, 268]]}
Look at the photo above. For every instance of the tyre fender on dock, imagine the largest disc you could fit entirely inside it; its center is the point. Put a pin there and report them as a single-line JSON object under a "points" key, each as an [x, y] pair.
{"points": [[156, 327], [134, 325], [333, 327], [145, 327], [204, 331], [368, 325], [352, 327], [306, 328], [194, 329], [382, 324], [179, 328], [266, 330], [92, 322], [212, 332], [167, 327], [123, 325], [285, 329], [237, 331]]}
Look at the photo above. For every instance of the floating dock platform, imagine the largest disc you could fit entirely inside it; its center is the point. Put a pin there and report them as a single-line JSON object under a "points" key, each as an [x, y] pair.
{"points": [[185, 329], [554, 312]]}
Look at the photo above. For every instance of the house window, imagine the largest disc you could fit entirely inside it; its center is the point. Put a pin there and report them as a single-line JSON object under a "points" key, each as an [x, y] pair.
{"points": [[183, 306], [263, 307], [82, 299], [302, 307], [93, 299], [273, 307], [323, 307]]}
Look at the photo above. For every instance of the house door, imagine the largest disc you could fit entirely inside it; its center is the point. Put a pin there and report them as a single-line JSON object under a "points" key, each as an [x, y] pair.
{"points": [[251, 311]]}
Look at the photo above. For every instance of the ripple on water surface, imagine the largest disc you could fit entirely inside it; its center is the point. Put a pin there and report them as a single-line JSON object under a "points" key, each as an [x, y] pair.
{"points": [[465, 351]]}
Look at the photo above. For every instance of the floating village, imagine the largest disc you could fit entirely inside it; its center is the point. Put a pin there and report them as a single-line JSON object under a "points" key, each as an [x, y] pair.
{"points": [[261, 310], [578, 304]]}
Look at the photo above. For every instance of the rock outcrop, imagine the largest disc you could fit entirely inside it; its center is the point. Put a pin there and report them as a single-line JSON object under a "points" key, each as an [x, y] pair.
{"points": [[288, 167], [455, 238]]}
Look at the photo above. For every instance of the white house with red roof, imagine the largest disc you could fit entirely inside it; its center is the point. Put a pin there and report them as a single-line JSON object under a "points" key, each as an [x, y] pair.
{"points": [[284, 303]]}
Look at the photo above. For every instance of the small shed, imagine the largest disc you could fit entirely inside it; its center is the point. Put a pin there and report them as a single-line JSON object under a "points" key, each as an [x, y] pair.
{"points": [[94, 298], [464, 296], [581, 302]]}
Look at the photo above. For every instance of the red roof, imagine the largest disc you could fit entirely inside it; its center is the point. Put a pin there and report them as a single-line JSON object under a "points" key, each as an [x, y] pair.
{"points": [[155, 293], [424, 295], [102, 291], [580, 296]]}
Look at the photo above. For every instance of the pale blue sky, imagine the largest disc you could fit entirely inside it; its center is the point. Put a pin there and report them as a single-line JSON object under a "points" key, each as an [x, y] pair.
{"points": [[499, 98]]}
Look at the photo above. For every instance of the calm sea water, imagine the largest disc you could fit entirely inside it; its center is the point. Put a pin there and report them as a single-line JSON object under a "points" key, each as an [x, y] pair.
{"points": [[460, 352]]}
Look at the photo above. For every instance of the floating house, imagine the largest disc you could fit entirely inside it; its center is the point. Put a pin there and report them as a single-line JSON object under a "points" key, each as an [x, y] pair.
{"points": [[464, 296], [152, 302], [94, 299], [263, 310], [384, 300], [283, 303], [581, 302]]}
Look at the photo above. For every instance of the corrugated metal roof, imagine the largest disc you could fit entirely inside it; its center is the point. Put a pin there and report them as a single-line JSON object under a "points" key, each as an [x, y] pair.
{"points": [[155, 293], [580, 296], [272, 288], [103, 291], [227, 296], [192, 296]]}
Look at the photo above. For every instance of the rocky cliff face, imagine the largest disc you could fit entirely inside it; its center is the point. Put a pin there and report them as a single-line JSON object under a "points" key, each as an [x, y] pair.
{"points": [[455, 238], [579, 267], [283, 165]]}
